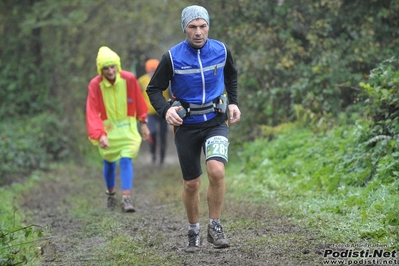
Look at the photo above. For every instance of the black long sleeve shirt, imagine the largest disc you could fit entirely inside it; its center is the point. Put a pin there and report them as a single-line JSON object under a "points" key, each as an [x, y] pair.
{"points": [[164, 73]]}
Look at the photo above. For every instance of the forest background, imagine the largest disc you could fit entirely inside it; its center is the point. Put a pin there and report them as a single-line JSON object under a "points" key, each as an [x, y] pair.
{"points": [[318, 90]]}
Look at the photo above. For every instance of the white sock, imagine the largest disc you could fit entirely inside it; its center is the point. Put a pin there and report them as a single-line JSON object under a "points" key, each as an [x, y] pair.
{"points": [[195, 227], [214, 220]]}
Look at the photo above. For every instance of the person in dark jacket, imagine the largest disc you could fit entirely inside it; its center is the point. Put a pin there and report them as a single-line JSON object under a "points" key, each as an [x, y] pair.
{"points": [[157, 125], [199, 72]]}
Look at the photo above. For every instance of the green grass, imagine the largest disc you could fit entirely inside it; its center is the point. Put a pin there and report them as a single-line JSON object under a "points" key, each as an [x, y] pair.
{"points": [[319, 180], [18, 239]]}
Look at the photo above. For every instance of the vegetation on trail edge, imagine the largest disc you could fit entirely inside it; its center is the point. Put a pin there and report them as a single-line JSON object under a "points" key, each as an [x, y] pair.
{"points": [[339, 180], [320, 130], [83, 233], [319, 180], [314, 180]]}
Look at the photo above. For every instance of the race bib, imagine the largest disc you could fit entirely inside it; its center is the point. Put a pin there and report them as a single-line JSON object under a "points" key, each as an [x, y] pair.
{"points": [[217, 146]]}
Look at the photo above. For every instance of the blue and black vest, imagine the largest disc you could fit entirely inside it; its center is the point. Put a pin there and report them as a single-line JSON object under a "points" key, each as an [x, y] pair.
{"points": [[198, 75]]}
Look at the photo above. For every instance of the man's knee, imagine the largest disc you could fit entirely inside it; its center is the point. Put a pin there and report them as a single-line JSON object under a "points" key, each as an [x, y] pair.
{"points": [[215, 170], [192, 186]]}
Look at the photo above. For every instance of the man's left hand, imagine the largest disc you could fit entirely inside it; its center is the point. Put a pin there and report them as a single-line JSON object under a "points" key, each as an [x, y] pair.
{"points": [[234, 113]]}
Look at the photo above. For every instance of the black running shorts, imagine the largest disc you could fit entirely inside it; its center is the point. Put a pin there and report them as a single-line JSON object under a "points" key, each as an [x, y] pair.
{"points": [[190, 142]]}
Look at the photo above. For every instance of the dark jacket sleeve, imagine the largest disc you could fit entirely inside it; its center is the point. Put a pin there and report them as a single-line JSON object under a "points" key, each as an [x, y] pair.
{"points": [[160, 82], [230, 78]]}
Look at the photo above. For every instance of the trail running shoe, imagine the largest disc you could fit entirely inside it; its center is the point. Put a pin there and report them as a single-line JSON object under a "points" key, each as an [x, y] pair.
{"points": [[111, 200], [216, 236], [127, 205], [193, 242]]}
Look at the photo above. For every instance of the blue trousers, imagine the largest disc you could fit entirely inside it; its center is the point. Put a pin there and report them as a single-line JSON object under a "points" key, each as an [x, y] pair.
{"points": [[126, 173]]}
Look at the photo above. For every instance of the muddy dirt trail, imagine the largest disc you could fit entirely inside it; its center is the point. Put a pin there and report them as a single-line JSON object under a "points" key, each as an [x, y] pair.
{"points": [[259, 235]]}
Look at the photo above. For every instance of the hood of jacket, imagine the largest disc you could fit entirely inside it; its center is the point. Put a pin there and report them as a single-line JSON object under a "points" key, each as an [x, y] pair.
{"points": [[107, 57]]}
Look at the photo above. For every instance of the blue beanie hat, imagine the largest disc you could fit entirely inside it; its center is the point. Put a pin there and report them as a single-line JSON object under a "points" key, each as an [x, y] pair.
{"points": [[193, 12]]}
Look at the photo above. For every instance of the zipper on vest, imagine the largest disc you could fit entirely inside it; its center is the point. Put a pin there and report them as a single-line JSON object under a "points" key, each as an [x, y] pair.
{"points": [[202, 76], [203, 81]]}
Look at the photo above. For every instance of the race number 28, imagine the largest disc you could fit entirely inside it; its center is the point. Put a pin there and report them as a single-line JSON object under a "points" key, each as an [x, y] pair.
{"points": [[217, 146]]}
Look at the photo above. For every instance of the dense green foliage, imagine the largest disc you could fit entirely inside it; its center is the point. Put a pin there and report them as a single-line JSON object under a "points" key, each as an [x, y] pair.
{"points": [[310, 54], [24, 79], [347, 173], [31, 143], [320, 179], [382, 98], [48, 50], [306, 62], [17, 240]]}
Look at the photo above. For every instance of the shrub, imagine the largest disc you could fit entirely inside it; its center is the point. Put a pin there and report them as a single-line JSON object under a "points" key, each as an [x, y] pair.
{"points": [[31, 143], [382, 98]]}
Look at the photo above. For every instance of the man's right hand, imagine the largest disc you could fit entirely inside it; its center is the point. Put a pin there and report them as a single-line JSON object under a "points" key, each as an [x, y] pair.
{"points": [[172, 118], [103, 142]]}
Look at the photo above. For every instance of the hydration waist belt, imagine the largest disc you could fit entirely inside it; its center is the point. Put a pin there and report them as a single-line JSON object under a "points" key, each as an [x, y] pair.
{"points": [[217, 105]]}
